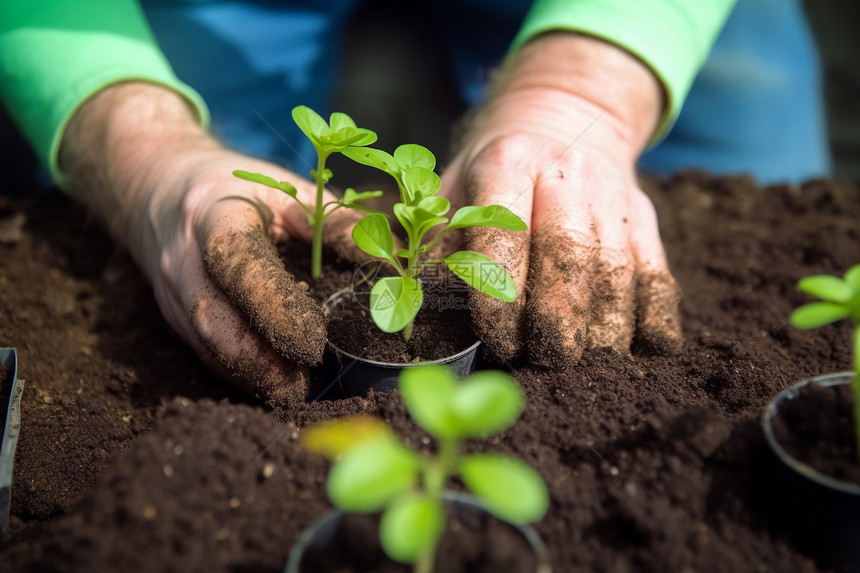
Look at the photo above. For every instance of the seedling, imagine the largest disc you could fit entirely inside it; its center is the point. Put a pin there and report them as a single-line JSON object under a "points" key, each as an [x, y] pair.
{"points": [[840, 298], [336, 135], [394, 301], [374, 471]]}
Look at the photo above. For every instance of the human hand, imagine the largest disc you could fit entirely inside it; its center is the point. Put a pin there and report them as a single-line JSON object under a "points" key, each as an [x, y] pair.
{"points": [[592, 272], [204, 238]]}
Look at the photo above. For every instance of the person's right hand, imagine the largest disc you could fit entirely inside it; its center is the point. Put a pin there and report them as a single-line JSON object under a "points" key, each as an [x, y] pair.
{"points": [[557, 143], [204, 238]]}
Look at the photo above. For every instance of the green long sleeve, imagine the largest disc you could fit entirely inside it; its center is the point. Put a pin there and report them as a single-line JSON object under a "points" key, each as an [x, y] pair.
{"points": [[54, 55], [672, 37]]}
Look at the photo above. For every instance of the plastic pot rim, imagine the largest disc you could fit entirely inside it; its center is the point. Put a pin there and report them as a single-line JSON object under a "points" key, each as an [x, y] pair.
{"points": [[401, 365], [805, 470], [393, 365], [530, 534]]}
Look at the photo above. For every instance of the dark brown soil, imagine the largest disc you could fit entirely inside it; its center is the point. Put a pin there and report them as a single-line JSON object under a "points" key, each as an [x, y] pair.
{"points": [[473, 543], [133, 457], [817, 428], [437, 333]]}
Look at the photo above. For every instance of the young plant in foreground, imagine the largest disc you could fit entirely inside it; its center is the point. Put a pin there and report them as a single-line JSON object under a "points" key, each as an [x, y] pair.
{"points": [[394, 301], [374, 471], [840, 298], [334, 136]]}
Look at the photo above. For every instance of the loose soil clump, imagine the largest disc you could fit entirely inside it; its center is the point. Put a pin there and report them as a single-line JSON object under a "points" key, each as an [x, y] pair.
{"points": [[132, 456]]}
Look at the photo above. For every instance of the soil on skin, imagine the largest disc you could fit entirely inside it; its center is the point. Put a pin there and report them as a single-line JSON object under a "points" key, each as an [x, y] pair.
{"points": [[133, 457], [279, 308], [499, 324]]}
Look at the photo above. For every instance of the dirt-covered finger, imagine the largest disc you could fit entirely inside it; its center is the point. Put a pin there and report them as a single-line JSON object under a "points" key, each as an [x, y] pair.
{"points": [[657, 293], [558, 306], [658, 322], [498, 177], [230, 349], [245, 265], [612, 318], [500, 324]]}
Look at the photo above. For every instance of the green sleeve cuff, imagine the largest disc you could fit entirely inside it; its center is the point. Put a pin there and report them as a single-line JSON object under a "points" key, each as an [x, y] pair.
{"points": [[56, 55], [672, 37]]}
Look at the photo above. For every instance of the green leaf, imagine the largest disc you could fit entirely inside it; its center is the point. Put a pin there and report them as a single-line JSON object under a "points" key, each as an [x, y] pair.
{"points": [[334, 437], [486, 403], [372, 234], [288, 189], [817, 314], [826, 287], [350, 196], [852, 278], [256, 178], [339, 120], [351, 136], [404, 214], [394, 302], [428, 392], [416, 221], [436, 205], [371, 474], [509, 488], [413, 155], [482, 274], [367, 137], [411, 526], [419, 182], [267, 181], [488, 216], [311, 124], [374, 158]]}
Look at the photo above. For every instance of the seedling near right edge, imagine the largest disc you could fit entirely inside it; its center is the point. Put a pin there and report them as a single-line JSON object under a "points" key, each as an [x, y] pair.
{"points": [[840, 298], [374, 471]]}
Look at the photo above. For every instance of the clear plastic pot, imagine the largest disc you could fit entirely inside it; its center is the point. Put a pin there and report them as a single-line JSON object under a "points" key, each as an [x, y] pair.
{"points": [[322, 536], [822, 512], [345, 374]]}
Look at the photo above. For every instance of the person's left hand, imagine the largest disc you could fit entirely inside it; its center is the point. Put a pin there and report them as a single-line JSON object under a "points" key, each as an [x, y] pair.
{"points": [[205, 239]]}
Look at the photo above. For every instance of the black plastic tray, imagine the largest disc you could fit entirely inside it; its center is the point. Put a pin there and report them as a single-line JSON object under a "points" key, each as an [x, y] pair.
{"points": [[10, 423]]}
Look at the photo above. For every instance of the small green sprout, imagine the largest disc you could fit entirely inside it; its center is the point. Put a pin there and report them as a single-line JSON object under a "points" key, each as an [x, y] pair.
{"points": [[840, 298], [335, 136], [394, 301], [374, 471]]}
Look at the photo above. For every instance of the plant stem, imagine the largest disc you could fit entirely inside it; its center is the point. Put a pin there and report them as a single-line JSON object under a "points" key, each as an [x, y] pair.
{"points": [[318, 217], [411, 272], [435, 476], [426, 562]]}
